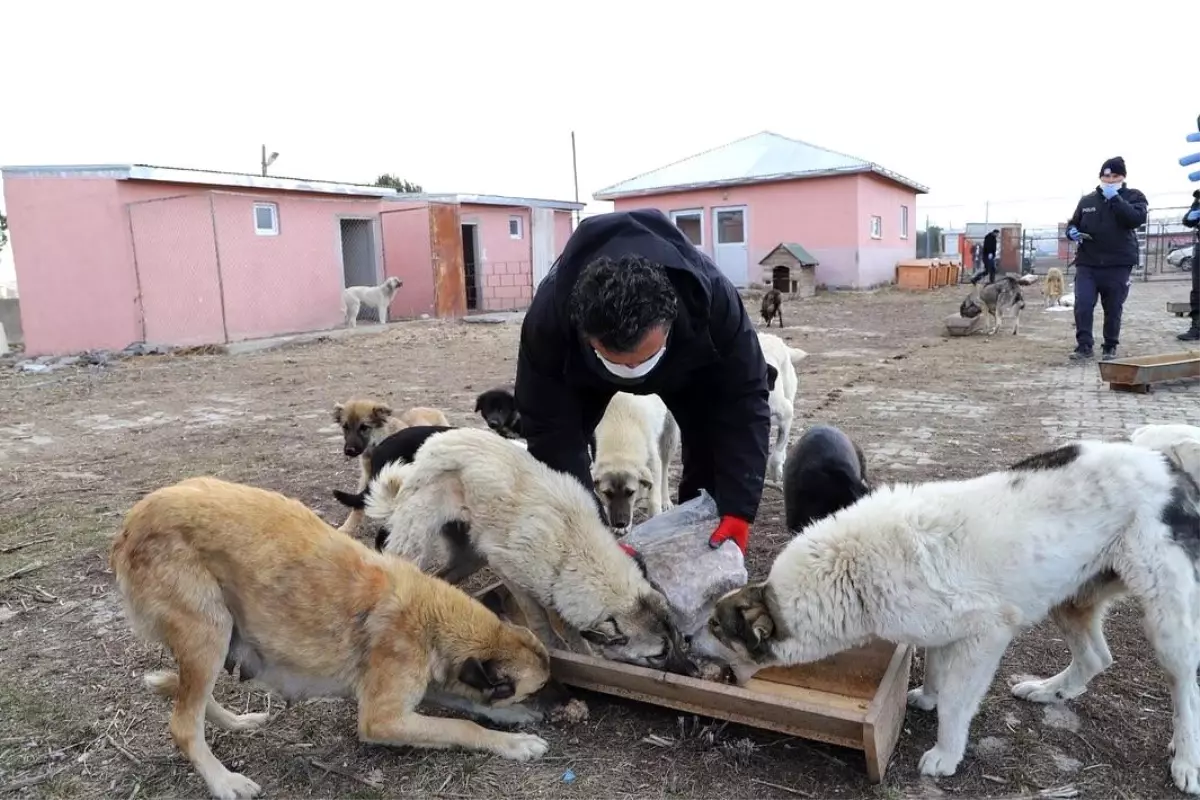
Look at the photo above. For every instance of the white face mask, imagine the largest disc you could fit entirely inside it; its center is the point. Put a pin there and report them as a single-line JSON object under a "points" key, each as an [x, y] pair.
{"points": [[631, 373]]}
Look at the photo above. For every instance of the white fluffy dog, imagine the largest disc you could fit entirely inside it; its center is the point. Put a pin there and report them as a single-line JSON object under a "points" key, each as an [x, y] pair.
{"points": [[376, 297], [959, 567], [635, 441], [782, 399], [1180, 442]]}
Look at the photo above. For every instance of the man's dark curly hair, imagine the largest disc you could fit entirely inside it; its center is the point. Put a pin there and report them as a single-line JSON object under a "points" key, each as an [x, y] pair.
{"points": [[619, 302]]}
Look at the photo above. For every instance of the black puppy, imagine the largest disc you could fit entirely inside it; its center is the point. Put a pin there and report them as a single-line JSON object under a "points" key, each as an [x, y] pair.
{"points": [[498, 408], [401, 446], [825, 471]]}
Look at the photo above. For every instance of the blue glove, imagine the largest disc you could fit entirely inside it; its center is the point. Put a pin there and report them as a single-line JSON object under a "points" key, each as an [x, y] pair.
{"points": [[1073, 234], [1193, 216], [1109, 190], [1187, 161]]}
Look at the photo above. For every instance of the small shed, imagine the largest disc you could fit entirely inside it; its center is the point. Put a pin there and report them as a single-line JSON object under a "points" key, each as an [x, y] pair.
{"points": [[791, 269]]}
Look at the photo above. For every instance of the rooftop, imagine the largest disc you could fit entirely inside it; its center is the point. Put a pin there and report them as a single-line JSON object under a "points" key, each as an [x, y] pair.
{"points": [[149, 172], [761, 158]]}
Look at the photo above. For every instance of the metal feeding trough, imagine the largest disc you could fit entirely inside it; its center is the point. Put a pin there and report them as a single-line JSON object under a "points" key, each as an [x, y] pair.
{"points": [[1137, 373]]}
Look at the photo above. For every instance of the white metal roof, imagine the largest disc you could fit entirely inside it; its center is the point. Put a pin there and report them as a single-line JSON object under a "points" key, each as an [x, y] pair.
{"points": [[146, 172], [759, 158]]}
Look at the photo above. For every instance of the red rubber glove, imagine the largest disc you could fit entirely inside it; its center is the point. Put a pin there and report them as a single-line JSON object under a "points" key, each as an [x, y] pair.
{"points": [[731, 528]]}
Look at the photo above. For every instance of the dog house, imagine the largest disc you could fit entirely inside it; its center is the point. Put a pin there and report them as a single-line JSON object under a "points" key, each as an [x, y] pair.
{"points": [[791, 269]]}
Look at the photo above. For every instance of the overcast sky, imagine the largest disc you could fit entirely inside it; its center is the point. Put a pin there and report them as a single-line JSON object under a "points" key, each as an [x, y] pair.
{"points": [[1017, 103]]}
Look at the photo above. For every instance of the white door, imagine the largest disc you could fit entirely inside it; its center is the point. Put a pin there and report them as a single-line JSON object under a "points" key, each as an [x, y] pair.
{"points": [[543, 243], [730, 238]]}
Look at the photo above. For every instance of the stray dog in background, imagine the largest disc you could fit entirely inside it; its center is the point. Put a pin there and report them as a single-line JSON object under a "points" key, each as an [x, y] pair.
{"points": [[635, 442], [376, 297], [474, 499], [960, 567], [365, 423], [781, 359], [772, 306], [498, 408], [825, 472], [1002, 298], [222, 573], [1054, 287]]}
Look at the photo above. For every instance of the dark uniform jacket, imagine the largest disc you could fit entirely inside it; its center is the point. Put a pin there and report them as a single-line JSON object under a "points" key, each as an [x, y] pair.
{"points": [[712, 376], [1112, 225]]}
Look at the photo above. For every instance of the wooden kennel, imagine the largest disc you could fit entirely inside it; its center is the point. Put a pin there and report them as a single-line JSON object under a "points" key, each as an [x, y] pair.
{"points": [[855, 699]]}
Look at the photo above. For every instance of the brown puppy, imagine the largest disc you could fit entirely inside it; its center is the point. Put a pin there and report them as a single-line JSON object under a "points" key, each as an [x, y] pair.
{"points": [[772, 306], [228, 574], [366, 423]]}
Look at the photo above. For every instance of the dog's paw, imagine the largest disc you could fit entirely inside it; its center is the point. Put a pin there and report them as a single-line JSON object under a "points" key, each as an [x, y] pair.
{"points": [[1185, 772], [248, 722], [937, 763], [917, 698], [522, 746], [1044, 691], [233, 786]]}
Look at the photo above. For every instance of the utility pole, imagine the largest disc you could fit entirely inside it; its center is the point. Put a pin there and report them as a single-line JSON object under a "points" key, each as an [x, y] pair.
{"points": [[987, 209], [266, 162], [575, 173]]}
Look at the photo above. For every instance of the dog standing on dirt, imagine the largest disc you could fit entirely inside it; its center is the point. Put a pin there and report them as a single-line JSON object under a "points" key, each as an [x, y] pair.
{"points": [[960, 567], [1054, 287], [365, 423], [824, 473], [224, 574], [772, 306], [376, 297], [1001, 299], [635, 442], [473, 499], [781, 358]]}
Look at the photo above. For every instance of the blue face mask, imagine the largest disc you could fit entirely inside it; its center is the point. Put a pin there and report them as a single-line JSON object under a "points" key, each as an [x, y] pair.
{"points": [[1110, 189]]}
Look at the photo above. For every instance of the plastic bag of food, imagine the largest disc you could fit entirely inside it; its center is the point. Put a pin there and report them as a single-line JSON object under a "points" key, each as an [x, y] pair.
{"points": [[678, 559]]}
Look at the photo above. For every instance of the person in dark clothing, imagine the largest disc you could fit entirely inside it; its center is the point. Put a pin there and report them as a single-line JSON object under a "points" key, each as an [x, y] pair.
{"points": [[632, 306], [1104, 226], [1192, 220], [988, 252]]}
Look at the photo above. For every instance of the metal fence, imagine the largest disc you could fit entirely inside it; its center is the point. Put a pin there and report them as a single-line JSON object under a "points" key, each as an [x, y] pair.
{"points": [[1165, 246]]}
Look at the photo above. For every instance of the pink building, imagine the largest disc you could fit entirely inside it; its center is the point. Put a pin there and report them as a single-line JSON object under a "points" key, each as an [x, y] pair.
{"points": [[740, 201], [110, 255]]}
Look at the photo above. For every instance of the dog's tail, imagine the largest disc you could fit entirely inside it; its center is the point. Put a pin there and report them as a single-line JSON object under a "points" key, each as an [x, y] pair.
{"points": [[382, 496], [796, 355], [351, 500]]}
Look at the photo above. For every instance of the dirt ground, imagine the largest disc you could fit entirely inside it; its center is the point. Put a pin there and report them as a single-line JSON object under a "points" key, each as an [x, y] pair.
{"points": [[80, 445]]}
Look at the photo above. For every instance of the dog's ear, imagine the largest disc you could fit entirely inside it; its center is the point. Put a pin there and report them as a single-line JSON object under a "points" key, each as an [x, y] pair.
{"points": [[605, 634], [380, 413], [772, 376], [1186, 454], [744, 616], [484, 676], [338, 409]]}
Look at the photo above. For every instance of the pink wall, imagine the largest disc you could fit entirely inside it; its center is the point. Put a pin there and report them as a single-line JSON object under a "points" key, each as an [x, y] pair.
{"points": [[408, 255], [505, 271], [70, 241], [878, 257], [822, 214]]}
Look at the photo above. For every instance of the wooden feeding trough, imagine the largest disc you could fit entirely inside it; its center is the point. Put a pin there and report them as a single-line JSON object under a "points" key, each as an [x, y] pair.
{"points": [[855, 699], [1137, 373], [1179, 309]]}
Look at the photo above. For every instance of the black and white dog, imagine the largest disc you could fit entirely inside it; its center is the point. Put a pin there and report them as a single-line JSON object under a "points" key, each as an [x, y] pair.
{"points": [[824, 472]]}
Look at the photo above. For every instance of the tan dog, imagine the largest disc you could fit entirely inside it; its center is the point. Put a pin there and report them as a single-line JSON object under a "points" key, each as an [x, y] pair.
{"points": [[1054, 287], [366, 423], [228, 574]]}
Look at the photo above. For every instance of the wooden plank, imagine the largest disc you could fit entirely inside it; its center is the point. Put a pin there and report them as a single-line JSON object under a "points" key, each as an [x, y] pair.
{"points": [[1141, 370], [852, 673], [1179, 309], [885, 715]]}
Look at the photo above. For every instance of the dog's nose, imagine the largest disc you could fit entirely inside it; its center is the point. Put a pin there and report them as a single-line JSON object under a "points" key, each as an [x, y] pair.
{"points": [[350, 451]]}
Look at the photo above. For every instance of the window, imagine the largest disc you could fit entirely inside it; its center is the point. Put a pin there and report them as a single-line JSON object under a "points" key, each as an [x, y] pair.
{"points": [[266, 219], [514, 227], [691, 223], [903, 222], [876, 227]]}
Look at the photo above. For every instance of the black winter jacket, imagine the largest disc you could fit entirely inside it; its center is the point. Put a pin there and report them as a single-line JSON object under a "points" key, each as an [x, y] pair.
{"points": [[712, 377], [989, 245], [1113, 225]]}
